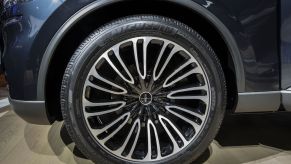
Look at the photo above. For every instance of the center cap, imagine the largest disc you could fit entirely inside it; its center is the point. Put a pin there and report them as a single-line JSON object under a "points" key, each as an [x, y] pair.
{"points": [[145, 98]]}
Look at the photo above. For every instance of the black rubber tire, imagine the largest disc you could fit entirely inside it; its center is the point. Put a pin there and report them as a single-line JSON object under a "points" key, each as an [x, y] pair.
{"points": [[112, 33]]}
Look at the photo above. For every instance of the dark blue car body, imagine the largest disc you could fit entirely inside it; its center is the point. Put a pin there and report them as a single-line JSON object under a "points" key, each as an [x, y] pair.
{"points": [[38, 37]]}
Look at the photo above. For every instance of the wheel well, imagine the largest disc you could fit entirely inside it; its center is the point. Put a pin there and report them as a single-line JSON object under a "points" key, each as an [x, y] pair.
{"points": [[88, 24]]}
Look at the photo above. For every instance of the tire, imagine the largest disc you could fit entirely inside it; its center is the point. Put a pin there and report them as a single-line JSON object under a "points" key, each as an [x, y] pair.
{"points": [[110, 110]]}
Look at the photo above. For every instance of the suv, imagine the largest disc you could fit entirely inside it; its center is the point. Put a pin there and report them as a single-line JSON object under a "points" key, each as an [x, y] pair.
{"points": [[145, 80]]}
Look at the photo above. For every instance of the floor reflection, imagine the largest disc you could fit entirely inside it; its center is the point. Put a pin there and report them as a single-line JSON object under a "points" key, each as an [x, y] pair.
{"points": [[247, 137], [242, 139]]}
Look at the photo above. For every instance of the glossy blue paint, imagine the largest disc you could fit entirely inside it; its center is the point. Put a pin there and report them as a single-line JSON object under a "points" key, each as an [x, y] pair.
{"points": [[249, 27], [253, 24], [20, 28], [286, 44]]}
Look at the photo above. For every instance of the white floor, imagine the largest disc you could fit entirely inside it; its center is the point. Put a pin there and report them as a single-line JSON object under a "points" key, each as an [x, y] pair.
{"points": [[242, 139], [4, 102]]}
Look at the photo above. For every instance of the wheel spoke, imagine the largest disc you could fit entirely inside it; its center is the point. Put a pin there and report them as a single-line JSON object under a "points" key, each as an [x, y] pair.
{"points": [[146, 41], [204, 98], [200, 116], [155, 74], [174, 142], [150, 123], [193, 71], [149, 154], [194, 125], [145, 53], [175, 128], [116, 52], [134, 142], [122, 148], [87, 103], [94, 73], [116, 131], [173, 52], [96, 132]]}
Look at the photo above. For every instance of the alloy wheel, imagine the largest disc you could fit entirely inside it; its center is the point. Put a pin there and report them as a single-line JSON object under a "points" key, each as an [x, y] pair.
{"points": [[146, 99]]}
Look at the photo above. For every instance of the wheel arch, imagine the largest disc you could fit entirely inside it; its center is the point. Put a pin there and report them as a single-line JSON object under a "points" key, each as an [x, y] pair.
{"points": [[59, 38]]}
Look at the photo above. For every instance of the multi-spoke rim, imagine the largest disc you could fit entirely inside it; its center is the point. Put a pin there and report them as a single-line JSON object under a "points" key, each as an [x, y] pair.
{"points": [[146, 99]]}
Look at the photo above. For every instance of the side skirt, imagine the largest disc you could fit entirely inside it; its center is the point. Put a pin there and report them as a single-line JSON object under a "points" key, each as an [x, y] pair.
{"points": [[258, 101], [264, 101], [286, 99]]}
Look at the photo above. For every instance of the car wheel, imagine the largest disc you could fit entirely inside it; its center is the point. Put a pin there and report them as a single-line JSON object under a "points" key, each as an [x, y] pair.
{"points": [[143, 89]]}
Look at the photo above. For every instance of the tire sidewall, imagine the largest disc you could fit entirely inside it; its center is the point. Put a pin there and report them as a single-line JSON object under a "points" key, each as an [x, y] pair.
{"points": [[109, 35]]}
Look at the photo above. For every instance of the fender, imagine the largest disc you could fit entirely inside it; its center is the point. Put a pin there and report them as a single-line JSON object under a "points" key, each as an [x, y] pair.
{"points": [[198, 8]]}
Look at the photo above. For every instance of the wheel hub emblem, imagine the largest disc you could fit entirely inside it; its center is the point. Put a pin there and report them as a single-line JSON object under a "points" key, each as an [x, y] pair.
{"points": [[145, 98]]}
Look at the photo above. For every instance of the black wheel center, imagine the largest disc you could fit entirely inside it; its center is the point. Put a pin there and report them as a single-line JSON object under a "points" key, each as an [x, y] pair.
{"points": [[145, 98]]}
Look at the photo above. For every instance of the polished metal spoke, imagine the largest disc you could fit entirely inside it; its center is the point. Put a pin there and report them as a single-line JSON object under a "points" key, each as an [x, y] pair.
{"points": [[96, 132], [200, 116], [151, 124], [146, 41], [149, 138], [90, 84], [173, 52], [116, 131], [116, 52], [94, 73], [135, 51], [155, 74], [204, 98], [174, 142], [134, 142], [195, 70], [196, 126], [87, 103], [122, 148]]}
